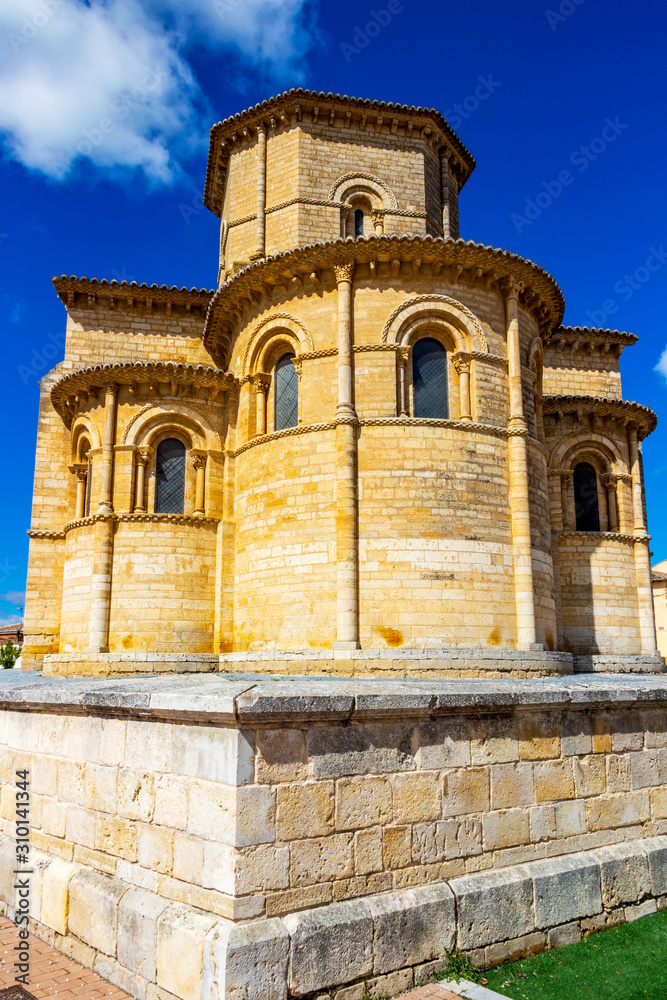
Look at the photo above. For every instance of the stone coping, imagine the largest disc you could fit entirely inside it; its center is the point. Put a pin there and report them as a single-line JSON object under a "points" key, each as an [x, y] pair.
{"points": [[239, 698]]}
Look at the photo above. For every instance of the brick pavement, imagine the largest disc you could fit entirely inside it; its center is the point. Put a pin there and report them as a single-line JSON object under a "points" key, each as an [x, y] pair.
{"points": [[51, 972]]}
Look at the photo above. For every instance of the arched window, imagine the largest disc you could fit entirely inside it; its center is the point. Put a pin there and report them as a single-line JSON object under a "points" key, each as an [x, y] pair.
{"points": [[359, 222], [586, 508], [429, 379], [286, 394], [170, 477]]}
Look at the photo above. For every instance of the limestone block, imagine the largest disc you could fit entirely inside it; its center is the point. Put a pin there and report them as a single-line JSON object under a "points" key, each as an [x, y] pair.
{"points": [[181, 932], [136, 795], [44, 775], [321, 859], [570, 933], [494, 740], [538, 738], [281, 755], [7, 866], [362, 801], [261, 869], [493, 906], [155, 848], [138, 915], [53, 817], [656, 849], [336, 751], [188, 858], [576, 738], [112, 742], [396, 846], [329, 944], [624, 874], [542, 823], [100, 787], [570, 818], [116, 836], [462, 837], [644, 769], [566, 888], [617, 773], [54, 902], [246, 962], [214, 753], [367, 851], [658, 803], [589, 776], [554, 780], [218, 869], [466, 791], [239, 817], [511, 785], [304, 810], [148, 745], [80, 828], [416, 797], [506, 828], [171, 802], [612, 811], [93, 909], [411, 926], [444, 743]]}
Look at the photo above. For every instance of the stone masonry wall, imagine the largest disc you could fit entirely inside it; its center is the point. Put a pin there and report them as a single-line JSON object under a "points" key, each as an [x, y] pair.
{"points": [[264, 821]]}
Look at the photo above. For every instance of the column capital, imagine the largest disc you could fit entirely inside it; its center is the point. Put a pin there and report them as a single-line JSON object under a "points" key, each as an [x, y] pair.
{"points": [[461, 362], [198, 460], [79, 469], [260, 380], [144, 456], [111, 388], [609, 480], [403, 354], [565, 476], [511, 287], [343, 272]]}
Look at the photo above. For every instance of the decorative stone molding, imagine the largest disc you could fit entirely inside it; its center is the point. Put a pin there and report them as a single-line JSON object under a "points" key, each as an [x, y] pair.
{"points": [[376, 184], [328, 352], [287, 432], [424, 305], [343, 272], [44, 533], [613, 536], [108, 378], [589, 339], [276, 322], [189, 519], [89, 292], [461, 362], [624, 410], [243, 292]]}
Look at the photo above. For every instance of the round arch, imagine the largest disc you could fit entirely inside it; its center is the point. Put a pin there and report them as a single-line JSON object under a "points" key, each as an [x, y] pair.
{"points": [[158, 421], [282, 328], [81, 428], [435, 311], [359, 184]]}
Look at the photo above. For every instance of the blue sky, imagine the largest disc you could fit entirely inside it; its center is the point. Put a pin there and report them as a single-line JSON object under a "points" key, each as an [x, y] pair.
{"points": [[105, 109]]}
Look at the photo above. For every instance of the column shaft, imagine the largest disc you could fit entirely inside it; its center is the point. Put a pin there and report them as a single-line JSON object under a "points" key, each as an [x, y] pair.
{"points": [[261, 190], [347, 558], [522, 549], [444, 187], [100, 586], [106, 477]]}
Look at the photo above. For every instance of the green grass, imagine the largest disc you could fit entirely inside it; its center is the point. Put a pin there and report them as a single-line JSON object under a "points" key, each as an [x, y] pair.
{"points": [[628, 962]]}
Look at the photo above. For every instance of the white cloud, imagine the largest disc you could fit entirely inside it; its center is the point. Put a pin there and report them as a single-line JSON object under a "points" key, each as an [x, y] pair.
{"points": [[662, 364], [109, 80], [14, 597]]}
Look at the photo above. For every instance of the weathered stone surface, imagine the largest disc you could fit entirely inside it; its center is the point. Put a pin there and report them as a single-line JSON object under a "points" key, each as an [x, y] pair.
{"points": [[566, 888], [367, 851], [354, 749], [505, 828], [181, 931], [94, 899], [511, 785], [466, 791], [305, 810], [493, 906], [138, 915], [321, 859], [214, 753], [329, 945], [55, 903], [281, 755], [362, 801], [656, 850], [412, 926], [570, 933], [618, 810], [247, 962], [444, 743], [624, 874]]}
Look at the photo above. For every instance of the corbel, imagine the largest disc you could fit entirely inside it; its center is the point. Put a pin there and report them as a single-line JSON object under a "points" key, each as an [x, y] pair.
{"points": [[394, 126], [395, 268], [315, 276], [362, 123], [379, 122], [332, 117], [408, 128], [348, 118], [416, 267], [457, 271], [490, 278], [299, 113], [316, 114], [437, 267]]}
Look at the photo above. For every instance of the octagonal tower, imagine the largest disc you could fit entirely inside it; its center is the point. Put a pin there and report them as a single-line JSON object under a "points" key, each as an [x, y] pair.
{"points": [[384, 455]]}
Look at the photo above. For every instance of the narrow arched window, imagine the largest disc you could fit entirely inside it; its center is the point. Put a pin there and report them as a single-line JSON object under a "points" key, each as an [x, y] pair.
{"points": [[286, 394], [170, 477], [359, 222], [89, 487], [585, 482], [429, 379]]}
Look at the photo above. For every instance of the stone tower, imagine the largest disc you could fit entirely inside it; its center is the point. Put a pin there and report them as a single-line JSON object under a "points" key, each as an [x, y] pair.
{"points": [[373, 450]]}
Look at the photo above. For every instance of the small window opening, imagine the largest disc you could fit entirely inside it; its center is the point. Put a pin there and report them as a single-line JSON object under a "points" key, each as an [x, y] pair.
{"points": [[359, 222], [170, 477], [585, 482]]}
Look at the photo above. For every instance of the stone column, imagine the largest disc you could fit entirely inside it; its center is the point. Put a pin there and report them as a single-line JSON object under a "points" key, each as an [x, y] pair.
{"points": [[444, 188], [609, 483], [647, 631], [261, 383], [199, 462], [565, 480], [377, 218], [100, 584], [142, 460], [347, 599], [80, 470], [105, 505], [519, 496], [403, 358], [261, 190], [462, 364]]}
